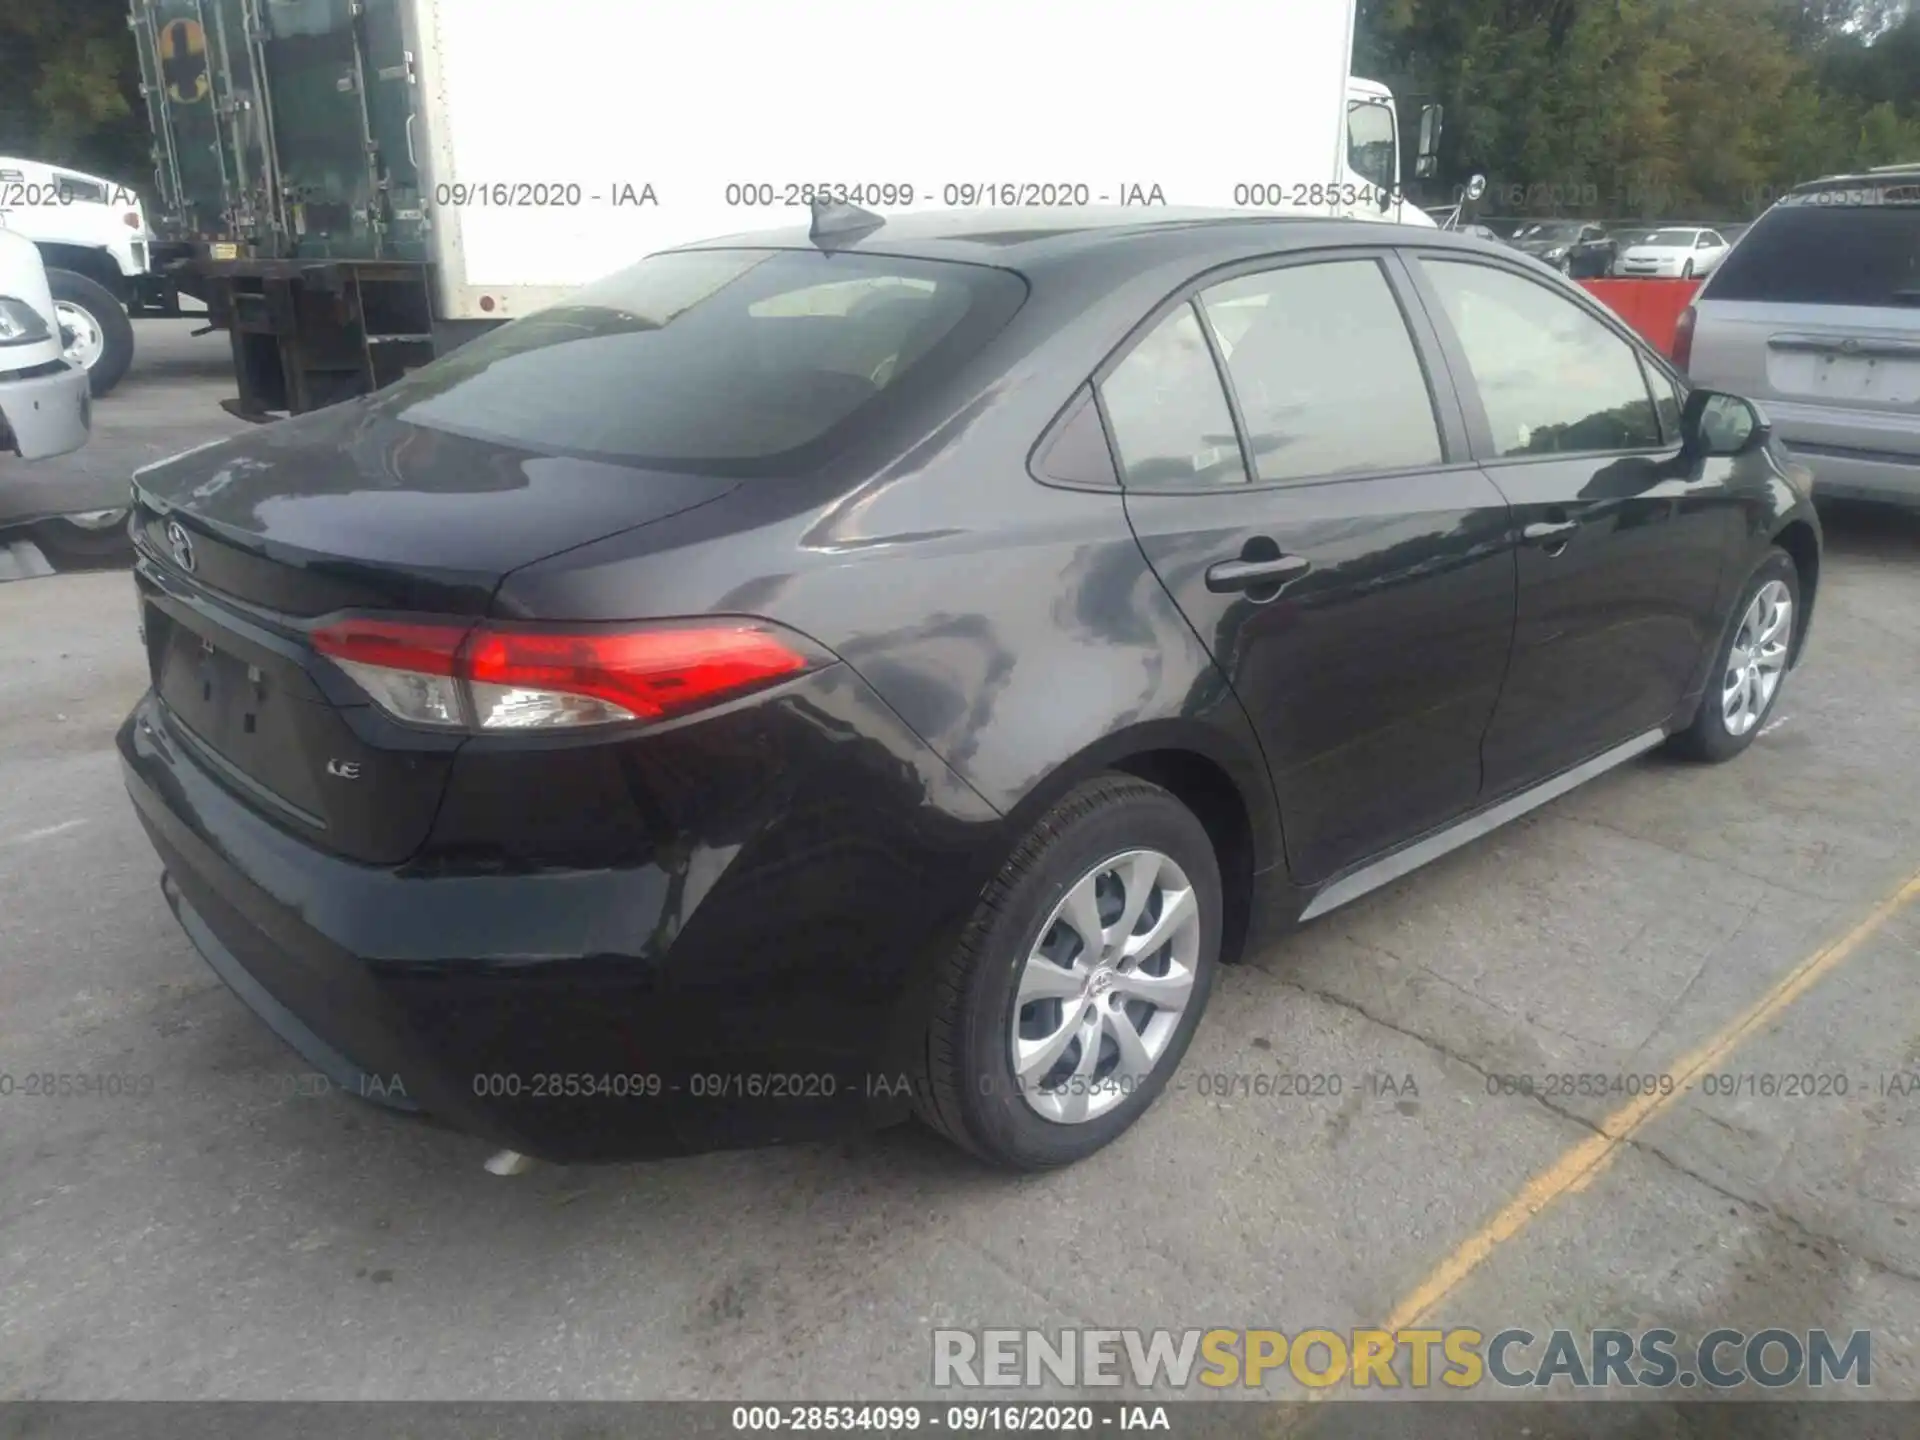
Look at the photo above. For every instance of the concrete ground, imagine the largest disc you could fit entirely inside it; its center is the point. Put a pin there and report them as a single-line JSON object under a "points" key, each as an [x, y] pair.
{"points": [[224, 1235], [167, 403]]}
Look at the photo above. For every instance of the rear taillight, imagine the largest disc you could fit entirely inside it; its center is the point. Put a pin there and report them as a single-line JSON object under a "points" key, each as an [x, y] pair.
{"points": [[1683, 338], [494, 678], [132, 221]]}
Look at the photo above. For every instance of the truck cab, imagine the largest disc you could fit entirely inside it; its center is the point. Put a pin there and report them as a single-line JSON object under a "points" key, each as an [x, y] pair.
{"points": [[45, 409], [1373, 155], [93, 239]]}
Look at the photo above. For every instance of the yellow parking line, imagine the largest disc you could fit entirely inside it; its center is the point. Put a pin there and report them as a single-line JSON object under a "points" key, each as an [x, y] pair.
{"points": [[1576, 1169]]}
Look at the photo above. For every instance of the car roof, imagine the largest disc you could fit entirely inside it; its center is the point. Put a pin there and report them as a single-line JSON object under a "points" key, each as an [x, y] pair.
{"points": [[1896, 177], [22, 164], [1029, 240]]}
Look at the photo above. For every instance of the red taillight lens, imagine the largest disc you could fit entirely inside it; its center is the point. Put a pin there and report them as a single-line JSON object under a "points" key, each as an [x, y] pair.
{"points": [[518, 678], [131, 220], [650, 674], [393, 644], [1683, 338]]}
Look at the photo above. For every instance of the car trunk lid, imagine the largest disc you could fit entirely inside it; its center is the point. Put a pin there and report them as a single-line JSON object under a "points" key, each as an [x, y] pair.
{"points": [[246, 544]]}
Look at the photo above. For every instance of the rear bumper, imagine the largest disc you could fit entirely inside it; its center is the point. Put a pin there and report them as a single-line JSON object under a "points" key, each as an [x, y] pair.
{"points": [[636, 1010], [1839, 475], [45, 415], [1864, 456]]}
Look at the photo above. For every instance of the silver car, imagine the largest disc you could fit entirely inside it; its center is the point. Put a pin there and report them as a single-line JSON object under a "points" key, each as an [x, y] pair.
{"points": [[1816, 314]]}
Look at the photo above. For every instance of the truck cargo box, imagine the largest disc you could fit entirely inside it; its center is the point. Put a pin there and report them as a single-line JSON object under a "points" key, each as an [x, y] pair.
{"points": [[355, 186]]}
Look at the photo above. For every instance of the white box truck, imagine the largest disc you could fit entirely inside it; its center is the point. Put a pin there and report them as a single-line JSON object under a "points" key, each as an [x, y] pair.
{"points": [[354, 186]]}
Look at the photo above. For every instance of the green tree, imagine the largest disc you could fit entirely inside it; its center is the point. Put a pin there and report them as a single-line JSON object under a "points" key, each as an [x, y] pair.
{"points": [[1666, 109], [70, 87]]}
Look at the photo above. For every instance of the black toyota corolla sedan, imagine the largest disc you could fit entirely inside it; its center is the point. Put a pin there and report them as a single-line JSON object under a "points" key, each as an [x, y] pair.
{"points": [[817, 678]]}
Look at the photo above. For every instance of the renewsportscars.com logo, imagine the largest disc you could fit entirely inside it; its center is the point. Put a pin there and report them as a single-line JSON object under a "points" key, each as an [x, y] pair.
{"points": [[1459, 1359]]}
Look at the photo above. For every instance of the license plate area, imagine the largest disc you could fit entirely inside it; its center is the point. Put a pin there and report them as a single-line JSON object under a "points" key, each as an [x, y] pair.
{"points": [[247, 697], [249, 714], [1830, 374]]}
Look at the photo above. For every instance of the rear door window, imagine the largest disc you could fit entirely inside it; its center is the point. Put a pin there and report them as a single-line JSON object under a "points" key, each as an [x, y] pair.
{"points": [[1325, 370], [735, 362], [1827, 254], [1168, 412]]}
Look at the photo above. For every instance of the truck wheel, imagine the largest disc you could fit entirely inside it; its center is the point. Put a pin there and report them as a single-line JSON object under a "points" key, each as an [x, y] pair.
{"points": [[102, 333], [83, 545]]}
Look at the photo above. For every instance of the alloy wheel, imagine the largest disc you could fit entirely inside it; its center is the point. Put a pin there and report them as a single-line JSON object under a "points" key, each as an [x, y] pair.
{"points": [[1758, 658], [1104, 986]]}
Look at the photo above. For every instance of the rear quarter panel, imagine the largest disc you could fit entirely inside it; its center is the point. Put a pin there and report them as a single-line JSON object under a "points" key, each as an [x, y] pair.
{"points": [[1015, 626]]}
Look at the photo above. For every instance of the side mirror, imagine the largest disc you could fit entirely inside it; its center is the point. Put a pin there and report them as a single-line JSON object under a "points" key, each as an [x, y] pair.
{"points": [[1717, 424], [1426, 160], [1476, 187]]}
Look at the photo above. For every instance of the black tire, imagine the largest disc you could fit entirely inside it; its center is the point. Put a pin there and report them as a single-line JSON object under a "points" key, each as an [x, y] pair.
{"points": [[75, 547], [116, 330], [1686, 271], [968, 1091], [1708, 738]]}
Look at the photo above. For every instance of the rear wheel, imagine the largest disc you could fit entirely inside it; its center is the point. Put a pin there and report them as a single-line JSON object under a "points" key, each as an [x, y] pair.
{"points": [[1079, 981], [97, 334], [1751, 665]]}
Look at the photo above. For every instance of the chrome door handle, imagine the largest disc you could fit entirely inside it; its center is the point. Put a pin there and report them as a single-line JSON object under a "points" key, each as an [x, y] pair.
{"points": [[1546, 532], [1230, 575]]}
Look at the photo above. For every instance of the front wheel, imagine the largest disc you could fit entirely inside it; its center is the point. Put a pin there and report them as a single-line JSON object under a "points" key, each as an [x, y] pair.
{"points": [[1686, 271], [96, 334], [1079, 981], [1751, 664]]}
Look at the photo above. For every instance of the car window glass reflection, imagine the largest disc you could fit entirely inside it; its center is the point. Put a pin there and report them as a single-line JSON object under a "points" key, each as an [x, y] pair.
{"points": [[1371, 141], [1325, 371], [1726, 424], [1168, 412], [1553, 379], [727, 362]]}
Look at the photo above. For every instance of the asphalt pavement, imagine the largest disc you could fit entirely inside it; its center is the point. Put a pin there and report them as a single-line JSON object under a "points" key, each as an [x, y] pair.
{"points": [[221, 1232]]}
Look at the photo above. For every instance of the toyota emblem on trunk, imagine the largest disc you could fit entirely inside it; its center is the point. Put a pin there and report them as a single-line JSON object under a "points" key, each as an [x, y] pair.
{"points": [[180, 543]]}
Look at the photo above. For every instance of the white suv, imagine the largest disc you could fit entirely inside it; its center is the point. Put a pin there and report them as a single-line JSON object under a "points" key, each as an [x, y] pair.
{"points": [[45, 408]]}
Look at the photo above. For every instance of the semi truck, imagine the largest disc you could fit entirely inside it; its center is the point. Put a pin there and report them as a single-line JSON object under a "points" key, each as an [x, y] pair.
{"points": [[92, 236], [354, 187]]}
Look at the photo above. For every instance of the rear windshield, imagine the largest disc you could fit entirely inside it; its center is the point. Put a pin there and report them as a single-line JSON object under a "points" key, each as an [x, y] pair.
{"points": [[1823, 254], [717, 361]]}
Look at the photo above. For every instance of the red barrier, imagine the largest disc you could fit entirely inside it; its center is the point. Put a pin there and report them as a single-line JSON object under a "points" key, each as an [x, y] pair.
{"points": [[1650, 306]]}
